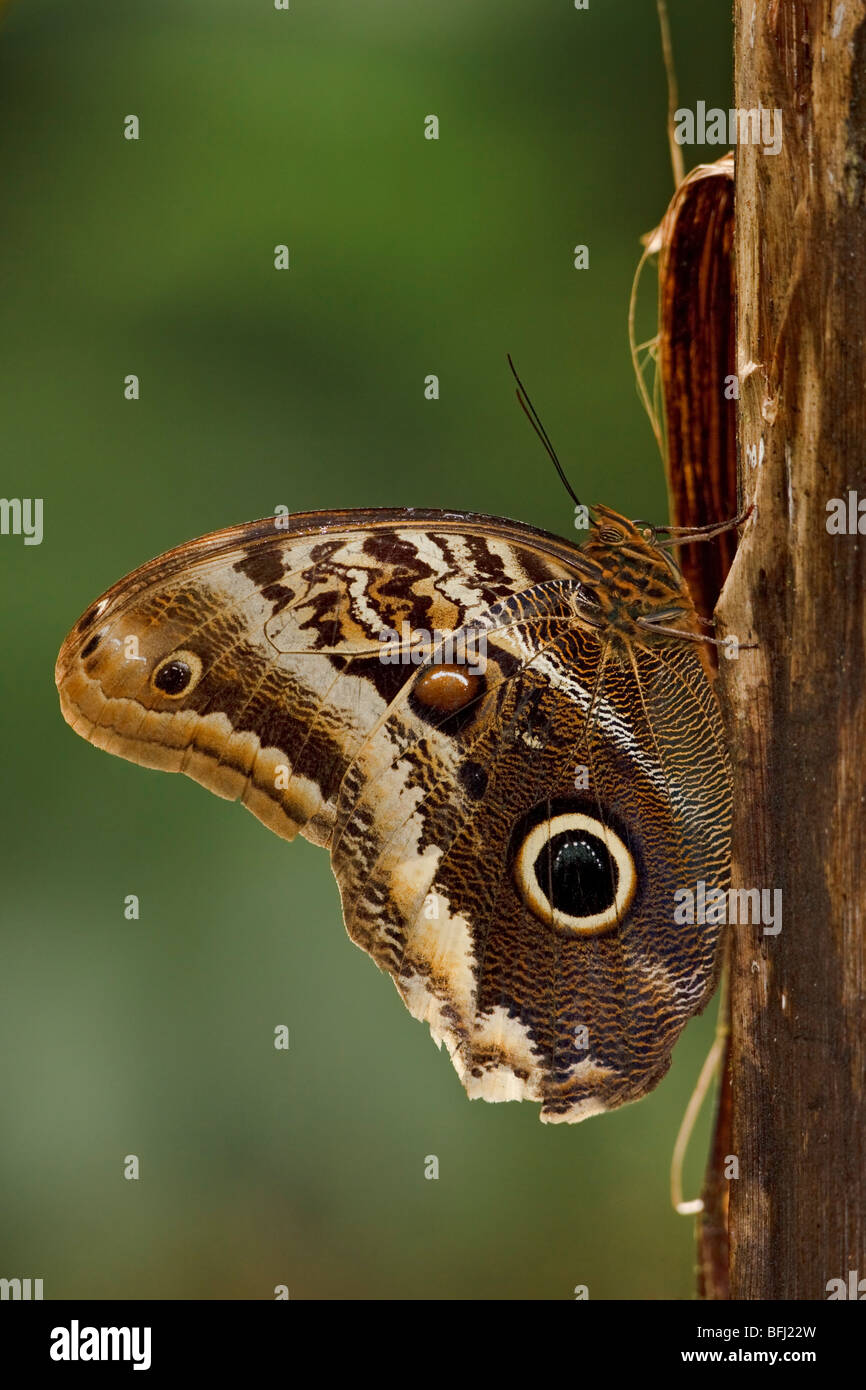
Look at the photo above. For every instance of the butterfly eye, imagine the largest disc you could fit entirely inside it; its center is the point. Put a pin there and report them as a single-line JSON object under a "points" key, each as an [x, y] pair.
{"points": [[178, 674], [610, 535], [576, 874]]}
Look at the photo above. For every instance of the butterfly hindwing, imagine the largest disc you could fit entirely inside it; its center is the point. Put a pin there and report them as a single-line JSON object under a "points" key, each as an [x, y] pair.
{"points": [[529, 1009]]}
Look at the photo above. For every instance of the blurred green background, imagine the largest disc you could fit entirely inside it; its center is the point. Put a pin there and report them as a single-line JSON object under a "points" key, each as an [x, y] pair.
{"points": [[305, 388]]}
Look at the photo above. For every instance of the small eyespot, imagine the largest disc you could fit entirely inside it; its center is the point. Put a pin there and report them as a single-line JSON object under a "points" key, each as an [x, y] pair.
{"points": [[92, 614], [447, 689], [178, 674], [473, 779], [576, 874]]}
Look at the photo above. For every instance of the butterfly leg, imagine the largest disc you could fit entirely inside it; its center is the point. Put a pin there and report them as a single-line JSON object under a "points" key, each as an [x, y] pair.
{"points": [[686, 535], [653, 625]]}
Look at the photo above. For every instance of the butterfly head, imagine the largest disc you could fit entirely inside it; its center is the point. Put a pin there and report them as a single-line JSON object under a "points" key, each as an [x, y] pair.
{"points": [[637, 577]]}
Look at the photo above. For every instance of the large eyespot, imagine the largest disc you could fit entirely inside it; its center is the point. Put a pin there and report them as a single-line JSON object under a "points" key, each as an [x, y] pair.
{"points": [[576, 874], [178, 674]]}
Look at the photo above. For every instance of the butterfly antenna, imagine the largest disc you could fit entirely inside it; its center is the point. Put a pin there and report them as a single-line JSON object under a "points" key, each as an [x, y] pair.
{"points": [[535, 421], [677, 164]]}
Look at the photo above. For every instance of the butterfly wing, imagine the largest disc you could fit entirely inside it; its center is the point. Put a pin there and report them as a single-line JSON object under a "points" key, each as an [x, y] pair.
{"points": [[509, 852], [282, 623], [542, 989]]}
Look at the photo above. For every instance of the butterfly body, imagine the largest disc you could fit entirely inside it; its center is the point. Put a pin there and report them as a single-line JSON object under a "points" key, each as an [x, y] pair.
{"points": [[510, 804]]}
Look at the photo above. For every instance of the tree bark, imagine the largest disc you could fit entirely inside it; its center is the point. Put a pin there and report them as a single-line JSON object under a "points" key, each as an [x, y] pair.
{"points": [[795, 706]]}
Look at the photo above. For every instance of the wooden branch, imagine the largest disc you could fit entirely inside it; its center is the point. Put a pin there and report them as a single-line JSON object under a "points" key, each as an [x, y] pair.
{"points": [[796, 707]]}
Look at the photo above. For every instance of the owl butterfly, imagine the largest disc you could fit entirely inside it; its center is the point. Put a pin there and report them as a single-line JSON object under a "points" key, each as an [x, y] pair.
{"points": [[509, 811]]}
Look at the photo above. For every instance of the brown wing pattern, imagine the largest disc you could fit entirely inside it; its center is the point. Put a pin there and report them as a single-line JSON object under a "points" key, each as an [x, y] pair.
{"points": [[511, 857]]}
